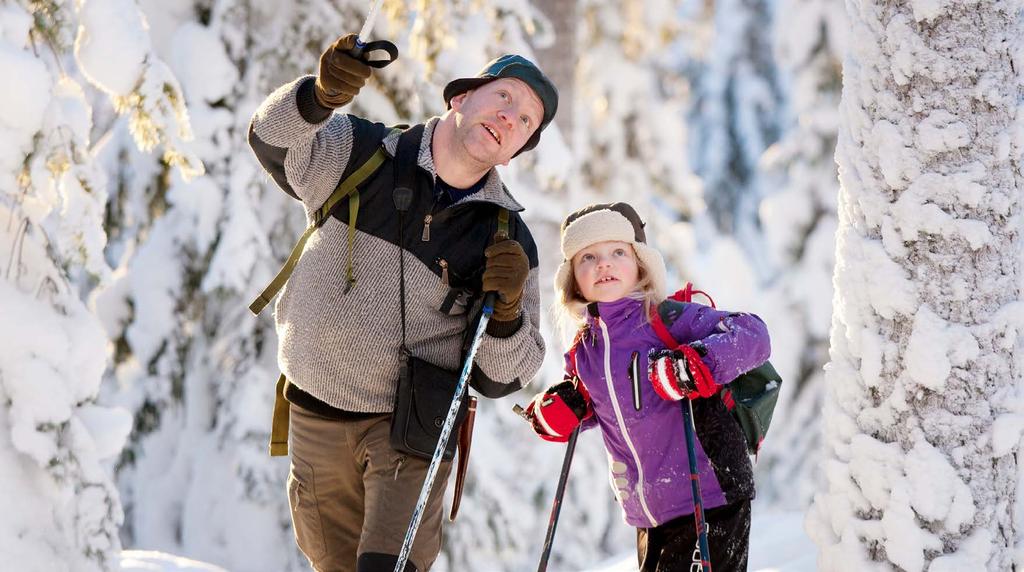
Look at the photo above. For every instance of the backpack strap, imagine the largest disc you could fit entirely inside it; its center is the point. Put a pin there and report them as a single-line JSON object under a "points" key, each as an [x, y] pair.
{"points": [[683, 295], [658, 324], [346, 187], [687, 292], [502, 233], [279, 424]]}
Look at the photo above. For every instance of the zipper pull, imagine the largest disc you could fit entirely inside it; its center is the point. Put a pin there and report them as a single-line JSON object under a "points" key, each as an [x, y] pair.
{"points": [[444, 269], [634, 377], [426, 228]]}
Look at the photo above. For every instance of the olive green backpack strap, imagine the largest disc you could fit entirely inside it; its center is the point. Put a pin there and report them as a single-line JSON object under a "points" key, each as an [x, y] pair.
{"points": [[502, 232], [345, 188], [279, 426]]}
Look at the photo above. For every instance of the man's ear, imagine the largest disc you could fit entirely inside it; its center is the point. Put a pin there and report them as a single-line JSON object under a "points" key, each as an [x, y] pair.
{"points": [[456, 102]]}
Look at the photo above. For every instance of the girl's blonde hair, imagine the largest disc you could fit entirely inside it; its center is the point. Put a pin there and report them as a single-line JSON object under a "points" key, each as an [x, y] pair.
{"points": [[570, 308]]}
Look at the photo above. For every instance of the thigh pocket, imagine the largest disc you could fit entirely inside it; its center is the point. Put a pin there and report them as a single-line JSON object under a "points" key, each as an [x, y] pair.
{"points": [[309, 532]]}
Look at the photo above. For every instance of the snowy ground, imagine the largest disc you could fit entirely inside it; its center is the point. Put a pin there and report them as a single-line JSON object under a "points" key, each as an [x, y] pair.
{"points": [[148, 561], [779, 545]]}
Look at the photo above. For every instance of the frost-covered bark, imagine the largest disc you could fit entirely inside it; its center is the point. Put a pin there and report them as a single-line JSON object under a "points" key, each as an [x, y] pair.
{"points": [[923, 411], [61, 509], [798, 216]]}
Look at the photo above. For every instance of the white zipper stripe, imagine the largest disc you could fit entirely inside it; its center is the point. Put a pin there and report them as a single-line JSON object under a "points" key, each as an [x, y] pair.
{"points": [[622, 423]]}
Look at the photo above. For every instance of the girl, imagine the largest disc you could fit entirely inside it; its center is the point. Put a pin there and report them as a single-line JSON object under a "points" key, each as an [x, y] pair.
{"points": [[622, 378]]}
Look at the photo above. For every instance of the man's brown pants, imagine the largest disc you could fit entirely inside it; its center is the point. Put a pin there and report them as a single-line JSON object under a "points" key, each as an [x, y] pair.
{"points": [[352, 495]]}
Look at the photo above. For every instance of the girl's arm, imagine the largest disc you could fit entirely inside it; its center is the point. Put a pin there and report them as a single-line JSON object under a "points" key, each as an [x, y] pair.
{"points": [[730, 343]]}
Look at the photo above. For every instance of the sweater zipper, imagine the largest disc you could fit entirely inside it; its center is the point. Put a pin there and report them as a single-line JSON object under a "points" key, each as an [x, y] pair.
{"points": [[444, 270], [426, 227], [622, 423]]}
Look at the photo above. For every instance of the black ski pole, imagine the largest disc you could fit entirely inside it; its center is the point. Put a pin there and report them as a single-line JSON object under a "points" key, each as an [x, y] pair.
{"points": [[556, 505]]}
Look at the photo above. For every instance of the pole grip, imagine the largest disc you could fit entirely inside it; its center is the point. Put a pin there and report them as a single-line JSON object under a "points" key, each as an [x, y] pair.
{"points": [[489, 299], [357, 51]]}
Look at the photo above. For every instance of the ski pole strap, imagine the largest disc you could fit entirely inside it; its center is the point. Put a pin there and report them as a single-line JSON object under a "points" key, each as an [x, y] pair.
{"points": [[502, 232], [344, 189], [279, 425]]}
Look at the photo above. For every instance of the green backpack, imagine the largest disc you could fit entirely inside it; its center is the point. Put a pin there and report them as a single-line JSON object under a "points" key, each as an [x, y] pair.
{"points": [[751, 397]]}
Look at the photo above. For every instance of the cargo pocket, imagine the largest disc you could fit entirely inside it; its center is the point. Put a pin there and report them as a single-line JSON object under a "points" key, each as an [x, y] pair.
{"points": [[309, 532]]}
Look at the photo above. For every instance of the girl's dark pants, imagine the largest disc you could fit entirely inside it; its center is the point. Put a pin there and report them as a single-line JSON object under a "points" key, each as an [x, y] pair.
{"points": [[670, 547]]}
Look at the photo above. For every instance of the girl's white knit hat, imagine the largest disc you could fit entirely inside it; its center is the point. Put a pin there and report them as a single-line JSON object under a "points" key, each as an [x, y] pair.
{"points": [[599, 223]]}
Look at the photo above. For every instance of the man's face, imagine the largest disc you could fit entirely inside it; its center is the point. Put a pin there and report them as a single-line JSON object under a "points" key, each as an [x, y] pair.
{"points": [[494, 121]]}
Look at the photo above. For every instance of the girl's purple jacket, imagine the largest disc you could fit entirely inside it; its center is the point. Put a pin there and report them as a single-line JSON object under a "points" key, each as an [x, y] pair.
{"points": [[647, 448]]}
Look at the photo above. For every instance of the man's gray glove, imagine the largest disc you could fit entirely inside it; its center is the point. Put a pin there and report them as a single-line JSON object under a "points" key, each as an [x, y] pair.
{"points": [[341, 75]]}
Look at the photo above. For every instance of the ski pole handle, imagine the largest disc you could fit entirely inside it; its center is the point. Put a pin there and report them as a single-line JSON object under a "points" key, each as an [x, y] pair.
{"points": [[518, 410], [489, 299]]}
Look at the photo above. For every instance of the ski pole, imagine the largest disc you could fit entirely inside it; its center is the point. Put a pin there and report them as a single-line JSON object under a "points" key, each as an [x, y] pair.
{"points": [[698, 501], [556, 505], [446, 430], [363, 48]]}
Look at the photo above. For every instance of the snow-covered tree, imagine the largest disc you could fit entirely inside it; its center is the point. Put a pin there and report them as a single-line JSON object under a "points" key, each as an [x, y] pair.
{"points": [[734, 112], [798, 217], [924, 409], [62, 511]]}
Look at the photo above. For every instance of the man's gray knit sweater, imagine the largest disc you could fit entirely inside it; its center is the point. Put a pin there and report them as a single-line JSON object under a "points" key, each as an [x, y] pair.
{"points": [[344, 348]]}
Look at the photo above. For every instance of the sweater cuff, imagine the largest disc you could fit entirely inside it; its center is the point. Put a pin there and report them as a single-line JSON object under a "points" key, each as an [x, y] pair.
{"points": [[309, 108], [498, 329]]}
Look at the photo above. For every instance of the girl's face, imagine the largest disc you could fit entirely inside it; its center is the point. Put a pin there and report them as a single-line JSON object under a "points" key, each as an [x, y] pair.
{"points": [[606, 271]]}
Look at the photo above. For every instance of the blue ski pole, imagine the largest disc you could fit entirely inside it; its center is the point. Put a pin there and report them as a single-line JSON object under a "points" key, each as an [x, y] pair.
{"points": [[446, 430], [698, 501]]}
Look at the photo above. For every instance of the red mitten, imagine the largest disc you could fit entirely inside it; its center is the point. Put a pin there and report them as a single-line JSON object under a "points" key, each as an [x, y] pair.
{"points": [[559, 410], [680, 373]]}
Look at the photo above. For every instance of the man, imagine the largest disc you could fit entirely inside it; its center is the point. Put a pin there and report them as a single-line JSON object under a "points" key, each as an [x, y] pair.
{"points": [[340, 318]]}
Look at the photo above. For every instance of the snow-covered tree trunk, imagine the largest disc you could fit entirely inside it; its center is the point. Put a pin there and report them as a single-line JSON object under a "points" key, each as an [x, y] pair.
{"points": [[924, 410]]}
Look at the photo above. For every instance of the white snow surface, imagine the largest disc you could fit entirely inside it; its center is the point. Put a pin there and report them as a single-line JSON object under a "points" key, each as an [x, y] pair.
{"points": [[778, 545]]}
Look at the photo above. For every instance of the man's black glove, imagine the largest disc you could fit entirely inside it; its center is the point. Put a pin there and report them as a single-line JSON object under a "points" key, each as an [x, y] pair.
{"points": [[341, 75], [505, 272]]}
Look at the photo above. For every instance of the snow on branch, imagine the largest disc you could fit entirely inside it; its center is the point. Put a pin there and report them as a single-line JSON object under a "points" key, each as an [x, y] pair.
{"points": [[114, 52]]}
